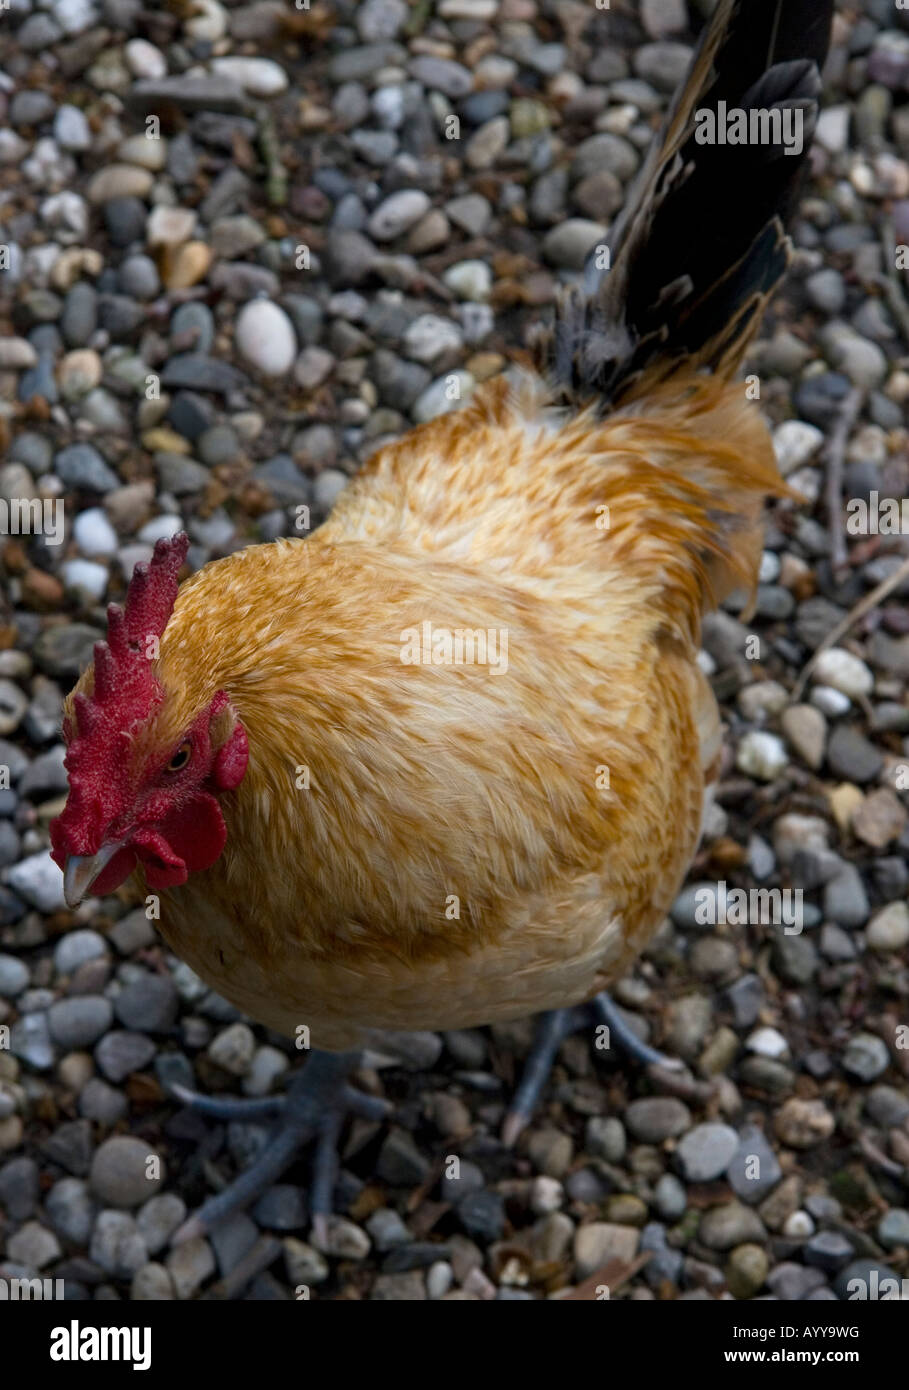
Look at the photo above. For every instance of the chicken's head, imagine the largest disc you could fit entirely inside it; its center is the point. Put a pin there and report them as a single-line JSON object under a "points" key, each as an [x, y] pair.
{"points": [[139, 789]]}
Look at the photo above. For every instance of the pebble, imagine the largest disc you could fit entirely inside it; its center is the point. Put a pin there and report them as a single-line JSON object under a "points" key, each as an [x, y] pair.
{"points": [[265, 338], [852, 756], [71, 1210], [117, 1244], [656, 1118], [125, 1171], [866, 1057], [14, 976], [79, 1021], [601, 1241], [33, 1245], [120, 1053], [806, 731], [723, 1227], [803, 1124], [761, 754], [233, 1049], [888, 929], [706, 1151], [38, 880], [261, 77], [398, 213], [569, 244], [189, 1265], [893, 1228]]}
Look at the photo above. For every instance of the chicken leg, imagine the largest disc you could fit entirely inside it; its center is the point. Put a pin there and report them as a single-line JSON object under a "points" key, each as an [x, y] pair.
{"points": [[318, 1100], [320, 1097], [552, 1030]]}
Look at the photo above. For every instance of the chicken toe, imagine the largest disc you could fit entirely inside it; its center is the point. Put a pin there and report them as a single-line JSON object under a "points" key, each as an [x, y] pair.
{"points": [[319, 1099], [552, 1029]]}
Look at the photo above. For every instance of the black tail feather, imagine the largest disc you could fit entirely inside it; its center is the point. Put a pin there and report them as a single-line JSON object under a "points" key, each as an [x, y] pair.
{"points": [[700, 245]]}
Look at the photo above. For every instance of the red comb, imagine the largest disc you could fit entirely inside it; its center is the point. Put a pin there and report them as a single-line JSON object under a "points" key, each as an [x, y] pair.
{"points": [[125, 692], [124, 683]]}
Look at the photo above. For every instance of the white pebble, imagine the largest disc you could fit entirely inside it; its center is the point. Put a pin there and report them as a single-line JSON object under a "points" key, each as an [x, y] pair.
{"points": [[94, 534], [795, 442], [844, 672], [71, 129], [397, 213], [209, 21], [767, 1042], [798, 1226], [144, 60], [260, 76], [761, 755], [469, 279], [160, 528], [266, 338], [831, 702], [38, 880], [85, 575], [888, 929]]}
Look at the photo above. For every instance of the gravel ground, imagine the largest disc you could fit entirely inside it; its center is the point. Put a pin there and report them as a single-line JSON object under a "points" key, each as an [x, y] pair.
{"points": [[211, 330]]}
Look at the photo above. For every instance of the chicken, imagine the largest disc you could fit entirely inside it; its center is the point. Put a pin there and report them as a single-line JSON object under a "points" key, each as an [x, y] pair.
{"points": [[445, 762]]}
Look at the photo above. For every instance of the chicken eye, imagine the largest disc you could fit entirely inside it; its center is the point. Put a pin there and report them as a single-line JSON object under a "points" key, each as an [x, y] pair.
{"points": [[180, 758]]}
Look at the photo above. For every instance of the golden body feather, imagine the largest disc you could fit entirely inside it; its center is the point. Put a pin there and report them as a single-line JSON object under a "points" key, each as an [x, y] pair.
{"points": [[456, 858]]}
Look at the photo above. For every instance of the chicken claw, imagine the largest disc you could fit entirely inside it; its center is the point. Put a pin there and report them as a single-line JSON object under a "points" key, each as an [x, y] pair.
{"points": [[552, 1030], [319, 1099]]}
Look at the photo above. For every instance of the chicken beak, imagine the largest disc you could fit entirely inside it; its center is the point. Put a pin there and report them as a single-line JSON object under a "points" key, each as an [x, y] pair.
{"points": [[82, 870]]}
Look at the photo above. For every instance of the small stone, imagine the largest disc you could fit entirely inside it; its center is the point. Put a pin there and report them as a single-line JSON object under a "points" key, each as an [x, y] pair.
{"points": [[80, 1020], [344, 1240], [852, 756], [117, 1245], [806, 731], [39, 881], [706, 1151], [747, 1270], [398, 213], [151, 1283], [125, 1171], [265, 338], [119, 181], [158, 1218], [14, 976], [70, 1210], [33, 1245], [189, 1265], [893, 1228], [880, 819], [844, 672], [470, 280], [795, 442], [803, 1124], [303, 1263], [761, 754], [723, 1227], [600, 1241], [656, 1118], [120, 1053], [233, 1049], [888, 929], [261, 77], [569, 244]]}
